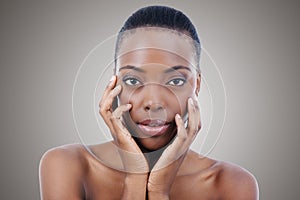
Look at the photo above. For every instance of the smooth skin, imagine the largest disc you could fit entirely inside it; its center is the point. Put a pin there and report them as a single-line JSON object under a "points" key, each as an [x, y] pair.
{"points": [[71, 172]]}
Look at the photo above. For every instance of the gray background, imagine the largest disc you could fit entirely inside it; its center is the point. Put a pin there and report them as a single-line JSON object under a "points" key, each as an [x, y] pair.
{"points": [[254, 43]]}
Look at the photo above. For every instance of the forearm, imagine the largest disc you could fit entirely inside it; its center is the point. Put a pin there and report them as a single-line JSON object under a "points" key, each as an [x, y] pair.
{"points": [[135, 187]]}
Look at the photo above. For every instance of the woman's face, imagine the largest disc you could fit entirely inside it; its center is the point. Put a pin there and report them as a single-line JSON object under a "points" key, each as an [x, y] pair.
{"points": [[157, 72]]}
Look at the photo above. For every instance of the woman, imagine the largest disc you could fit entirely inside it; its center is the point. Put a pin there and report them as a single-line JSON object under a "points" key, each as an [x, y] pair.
{"points": [[151, 109]]}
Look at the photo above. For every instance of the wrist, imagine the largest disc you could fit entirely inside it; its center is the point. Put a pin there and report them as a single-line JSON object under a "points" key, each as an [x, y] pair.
{"points": [[157, 191], [134, 179], [135, 186], [157, 195]]}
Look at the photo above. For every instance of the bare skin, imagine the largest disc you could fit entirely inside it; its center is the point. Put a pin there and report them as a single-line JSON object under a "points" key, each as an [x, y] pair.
{"points": [[71, 172], [143, 123]]}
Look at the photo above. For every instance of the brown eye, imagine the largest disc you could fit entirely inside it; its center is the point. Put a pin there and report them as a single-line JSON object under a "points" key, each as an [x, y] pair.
{"points": [[177, 82], [131, 81]]}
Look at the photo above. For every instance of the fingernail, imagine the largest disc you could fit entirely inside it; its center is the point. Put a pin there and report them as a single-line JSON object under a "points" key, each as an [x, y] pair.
{"points": [[177, 116], [112, 78], [190, 100], [128, 105]]}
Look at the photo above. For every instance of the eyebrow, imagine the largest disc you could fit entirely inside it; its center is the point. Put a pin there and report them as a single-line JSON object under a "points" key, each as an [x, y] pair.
{"points": [[132, 67], [171, 69], [176, 68]]}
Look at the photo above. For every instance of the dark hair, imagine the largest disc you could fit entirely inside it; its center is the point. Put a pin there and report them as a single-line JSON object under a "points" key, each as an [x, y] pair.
{"points": [[164, 17]]}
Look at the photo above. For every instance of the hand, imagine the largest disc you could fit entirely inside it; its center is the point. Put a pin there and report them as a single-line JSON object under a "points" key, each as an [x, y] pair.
{"points": [[132, 157], [166, 168]]}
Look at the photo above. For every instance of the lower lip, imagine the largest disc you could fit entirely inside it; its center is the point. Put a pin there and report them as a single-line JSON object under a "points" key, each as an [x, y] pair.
{"points": [[155, 130]]}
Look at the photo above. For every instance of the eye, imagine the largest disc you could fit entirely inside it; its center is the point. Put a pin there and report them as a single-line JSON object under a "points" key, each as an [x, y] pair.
{"points": [[177, 82], [131, 81]]}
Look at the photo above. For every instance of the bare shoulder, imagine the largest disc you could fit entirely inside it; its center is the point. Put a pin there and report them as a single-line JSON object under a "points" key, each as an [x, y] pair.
{"points": [[61, 172], [236, 182], [219, 179], [71, 149], [66, 154]]}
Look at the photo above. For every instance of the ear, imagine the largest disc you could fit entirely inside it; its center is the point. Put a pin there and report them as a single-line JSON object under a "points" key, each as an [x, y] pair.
{"points": [[198, 80]]}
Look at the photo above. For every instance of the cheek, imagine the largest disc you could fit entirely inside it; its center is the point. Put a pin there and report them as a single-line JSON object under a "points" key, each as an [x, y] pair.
{"points": [[182, 94], [181, 101], [173, 100], [126, 95]]}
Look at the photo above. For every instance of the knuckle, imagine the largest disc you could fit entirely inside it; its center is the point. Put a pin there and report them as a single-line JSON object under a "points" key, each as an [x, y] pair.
{"points": [[194, 130], [199, 126], [101, 106], [112, 118], [102, 111]]}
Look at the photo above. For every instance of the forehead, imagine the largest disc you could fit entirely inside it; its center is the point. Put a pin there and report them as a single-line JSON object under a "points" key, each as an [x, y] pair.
{"points": [[156, 45]]}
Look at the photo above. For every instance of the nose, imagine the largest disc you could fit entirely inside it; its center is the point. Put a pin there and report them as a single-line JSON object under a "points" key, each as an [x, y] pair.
{"points": [[151, 106], [154, 97]]}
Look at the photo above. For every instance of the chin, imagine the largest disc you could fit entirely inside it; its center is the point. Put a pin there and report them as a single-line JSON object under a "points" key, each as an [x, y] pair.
{"points": [[155, 143]]}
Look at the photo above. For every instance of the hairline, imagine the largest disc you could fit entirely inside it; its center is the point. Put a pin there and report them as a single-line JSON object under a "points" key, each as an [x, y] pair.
{"points": [[183, 33]]}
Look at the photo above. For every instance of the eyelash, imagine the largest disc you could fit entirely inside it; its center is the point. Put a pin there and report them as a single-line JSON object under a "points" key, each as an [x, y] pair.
{"points": [[134, 82], [125, 80], [177, 79]]}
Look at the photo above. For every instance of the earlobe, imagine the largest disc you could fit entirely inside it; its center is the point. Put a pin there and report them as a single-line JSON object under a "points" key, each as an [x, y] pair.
{"points": [[198, 81]]}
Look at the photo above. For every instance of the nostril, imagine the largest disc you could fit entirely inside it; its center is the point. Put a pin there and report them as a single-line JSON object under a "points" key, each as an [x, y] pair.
{"points": [[153, 107], [147, 105], [160, 108], [157, 107], [147, 108]]}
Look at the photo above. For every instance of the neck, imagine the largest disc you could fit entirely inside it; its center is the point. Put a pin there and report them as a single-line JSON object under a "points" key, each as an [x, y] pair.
{"points": [[153, 156]]}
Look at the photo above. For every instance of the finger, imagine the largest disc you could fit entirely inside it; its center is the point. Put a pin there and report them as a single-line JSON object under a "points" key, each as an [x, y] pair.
{"points": [[116, 121], [107, 102], [192, 123], [110, 85], [181, 131], [108, 88], [197, 114], [124, 139], [178, 146], [120, 110], [106, 107]]}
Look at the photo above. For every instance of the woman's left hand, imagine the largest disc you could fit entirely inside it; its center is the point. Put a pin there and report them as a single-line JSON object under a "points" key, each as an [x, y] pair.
{"points": [[164, 172]]}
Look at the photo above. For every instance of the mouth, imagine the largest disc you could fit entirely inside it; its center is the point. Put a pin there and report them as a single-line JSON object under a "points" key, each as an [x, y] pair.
{"points": [[154, 127]]}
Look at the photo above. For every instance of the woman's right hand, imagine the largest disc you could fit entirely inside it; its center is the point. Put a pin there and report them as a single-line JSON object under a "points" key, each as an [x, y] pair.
{"points": [[132, 157]]}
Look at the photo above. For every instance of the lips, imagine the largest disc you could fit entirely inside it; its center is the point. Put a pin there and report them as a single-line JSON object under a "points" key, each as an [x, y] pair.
{"points": [[154, 127]]}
